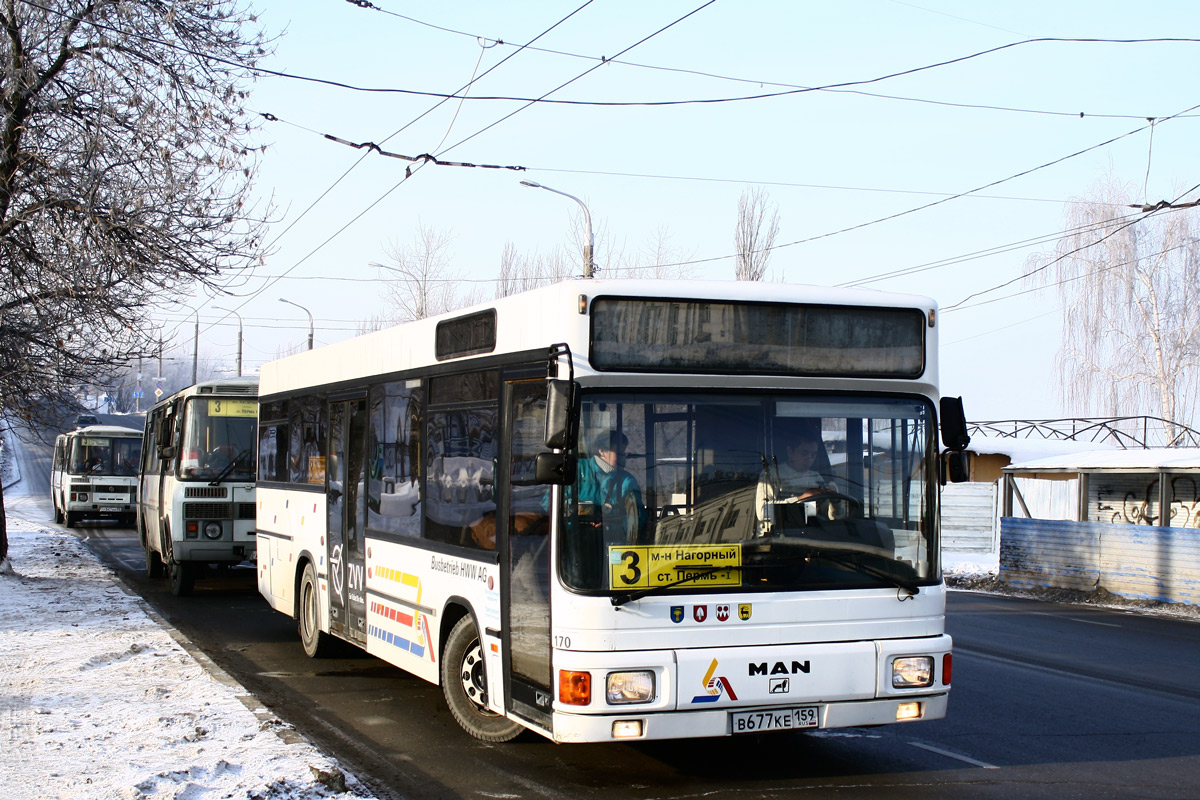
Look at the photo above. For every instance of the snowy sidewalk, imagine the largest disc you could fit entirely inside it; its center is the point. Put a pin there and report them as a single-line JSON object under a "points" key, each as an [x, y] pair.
{"points": [[97, 700]]}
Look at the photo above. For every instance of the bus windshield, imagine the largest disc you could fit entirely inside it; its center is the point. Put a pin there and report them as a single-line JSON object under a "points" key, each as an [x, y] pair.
{"points": [[687, 492], [219, 439], [104, 455]]}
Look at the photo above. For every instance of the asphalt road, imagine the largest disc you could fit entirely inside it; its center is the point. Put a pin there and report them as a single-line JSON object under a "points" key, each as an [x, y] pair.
{"points": [[1049, 701]]}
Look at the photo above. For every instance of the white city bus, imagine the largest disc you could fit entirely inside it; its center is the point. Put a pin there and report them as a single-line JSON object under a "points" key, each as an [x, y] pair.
{"points": [[196, 484], [445, 495], [93, 474]]}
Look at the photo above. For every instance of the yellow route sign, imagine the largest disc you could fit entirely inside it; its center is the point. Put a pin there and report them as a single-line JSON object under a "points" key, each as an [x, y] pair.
{"points": [[652, 566], [232, 408]]}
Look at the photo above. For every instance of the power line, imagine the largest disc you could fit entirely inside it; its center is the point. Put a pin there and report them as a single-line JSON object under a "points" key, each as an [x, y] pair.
{"points": [[408, 171]]}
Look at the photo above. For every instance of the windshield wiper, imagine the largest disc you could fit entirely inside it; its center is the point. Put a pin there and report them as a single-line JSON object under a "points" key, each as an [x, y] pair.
{"points": [[858, 566], [229, 468]]}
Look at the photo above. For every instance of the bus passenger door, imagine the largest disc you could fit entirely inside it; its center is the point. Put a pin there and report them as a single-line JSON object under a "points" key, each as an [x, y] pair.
{"points": [[524, 543], [344, 474]]}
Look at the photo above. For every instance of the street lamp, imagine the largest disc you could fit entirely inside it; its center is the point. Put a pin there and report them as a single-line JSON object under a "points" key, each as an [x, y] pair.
{"points": [[589, 267], [310, 319], [239, 356]]}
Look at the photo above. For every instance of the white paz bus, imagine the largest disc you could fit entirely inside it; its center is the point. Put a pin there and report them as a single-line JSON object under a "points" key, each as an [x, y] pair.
{"points": [[93, 474], [613, 510], [196, 484]]}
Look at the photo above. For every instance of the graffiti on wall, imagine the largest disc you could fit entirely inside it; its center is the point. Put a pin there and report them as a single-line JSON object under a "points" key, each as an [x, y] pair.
{"points": [[1138, 505]]}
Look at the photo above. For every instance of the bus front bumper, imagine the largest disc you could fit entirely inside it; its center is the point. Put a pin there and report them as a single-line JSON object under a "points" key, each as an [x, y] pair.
{"points": [[699, 724]]}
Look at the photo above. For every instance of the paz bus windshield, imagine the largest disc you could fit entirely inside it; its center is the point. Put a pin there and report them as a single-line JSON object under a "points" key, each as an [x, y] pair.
{"points": [[105, 455], [219, 439], [687, 492]]}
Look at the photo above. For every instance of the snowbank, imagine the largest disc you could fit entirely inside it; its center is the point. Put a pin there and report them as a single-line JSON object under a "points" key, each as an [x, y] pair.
{"points": [[97, 700]]}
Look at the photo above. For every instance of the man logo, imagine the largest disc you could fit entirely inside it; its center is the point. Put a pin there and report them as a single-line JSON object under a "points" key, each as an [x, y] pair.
{"points": [[780, 685], [744, 610]]}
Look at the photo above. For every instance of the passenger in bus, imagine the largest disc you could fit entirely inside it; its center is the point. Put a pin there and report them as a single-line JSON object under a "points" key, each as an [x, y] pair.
{"points": [[606, 490], [797, 479]]}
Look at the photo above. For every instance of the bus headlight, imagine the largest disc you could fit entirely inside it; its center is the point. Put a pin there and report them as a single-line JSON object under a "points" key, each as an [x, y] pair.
{"points": [[912, 672], [212, 530], [629, 687]]}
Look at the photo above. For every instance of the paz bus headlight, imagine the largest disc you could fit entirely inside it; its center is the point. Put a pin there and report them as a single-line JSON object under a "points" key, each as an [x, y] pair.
{"points": [[912, 672], [212, 530], [623, 688]]}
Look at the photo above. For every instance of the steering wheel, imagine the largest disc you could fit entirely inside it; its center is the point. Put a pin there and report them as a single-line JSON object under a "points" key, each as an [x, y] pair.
{"points": [[827, 498]]}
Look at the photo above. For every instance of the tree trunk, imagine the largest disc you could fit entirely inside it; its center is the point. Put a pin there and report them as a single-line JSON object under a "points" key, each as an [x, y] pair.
{"points": [[3, 527]]}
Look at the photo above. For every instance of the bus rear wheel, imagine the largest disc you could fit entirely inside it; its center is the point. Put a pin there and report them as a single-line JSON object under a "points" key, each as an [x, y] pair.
{"points": [[154, 564], [308, 619], [464, 683]]}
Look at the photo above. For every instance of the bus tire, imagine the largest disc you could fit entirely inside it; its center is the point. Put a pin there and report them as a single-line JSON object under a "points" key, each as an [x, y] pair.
{"points": [[154, 564], [58, 514], [71, 519], [182, 577], [316, 643], [464, 683]]}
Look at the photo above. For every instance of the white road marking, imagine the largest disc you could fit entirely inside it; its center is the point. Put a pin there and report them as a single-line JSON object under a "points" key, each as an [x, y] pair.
{"points": [[954, 756]]}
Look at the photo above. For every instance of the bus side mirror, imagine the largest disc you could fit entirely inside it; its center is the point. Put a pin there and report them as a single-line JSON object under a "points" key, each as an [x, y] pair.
{"points": [[956, 467], [554, 469], [166, 451], [954, 424], [561, 416]]}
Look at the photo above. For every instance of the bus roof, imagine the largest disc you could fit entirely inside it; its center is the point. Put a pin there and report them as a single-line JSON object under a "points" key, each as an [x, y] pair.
{"points": [[538, 319], [104, 430], [245, 386]]}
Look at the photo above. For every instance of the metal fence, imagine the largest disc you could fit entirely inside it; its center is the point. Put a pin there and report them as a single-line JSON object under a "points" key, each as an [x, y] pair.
{"points": [[1136, 561]]}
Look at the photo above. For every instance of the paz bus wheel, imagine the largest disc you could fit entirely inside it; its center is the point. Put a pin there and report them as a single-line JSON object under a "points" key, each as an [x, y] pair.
{"points": [[58, 514], [182, 577], [308, 619], [464, 683], [154, 564]]}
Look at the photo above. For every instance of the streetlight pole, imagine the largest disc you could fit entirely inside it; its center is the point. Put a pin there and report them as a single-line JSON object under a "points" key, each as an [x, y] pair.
{"points": [[589, 267], [239, 354], [310, 319], [195, 346]]}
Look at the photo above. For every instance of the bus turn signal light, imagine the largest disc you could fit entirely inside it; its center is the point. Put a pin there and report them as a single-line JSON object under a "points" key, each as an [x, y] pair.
{"points": [[574, 688], [947, 663]]}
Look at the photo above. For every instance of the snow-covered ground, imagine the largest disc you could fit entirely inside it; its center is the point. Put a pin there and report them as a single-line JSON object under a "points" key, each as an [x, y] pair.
{"points": [[98, 700]]}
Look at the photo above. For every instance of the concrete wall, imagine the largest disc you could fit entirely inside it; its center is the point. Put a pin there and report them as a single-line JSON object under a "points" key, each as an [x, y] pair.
{"points": [[1136, 561]]}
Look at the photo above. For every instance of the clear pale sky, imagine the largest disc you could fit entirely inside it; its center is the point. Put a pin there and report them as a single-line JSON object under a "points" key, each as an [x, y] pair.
{"points": [[830, 160]]}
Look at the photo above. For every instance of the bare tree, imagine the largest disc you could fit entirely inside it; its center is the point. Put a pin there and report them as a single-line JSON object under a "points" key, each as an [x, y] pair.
{"points": [[662, 259], [520, 273], [124, 177], [419, 279], [755, 234], [1130, 286]]}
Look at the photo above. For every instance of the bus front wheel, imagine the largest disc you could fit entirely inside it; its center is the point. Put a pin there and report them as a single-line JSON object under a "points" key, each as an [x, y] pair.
{"points": [[182, 577], [464, 683], [316, 644]]}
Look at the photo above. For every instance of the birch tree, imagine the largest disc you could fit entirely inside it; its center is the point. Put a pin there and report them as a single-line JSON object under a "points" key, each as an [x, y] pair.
{"points": [[755, 234], [124, 178], [1130, 289]]}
